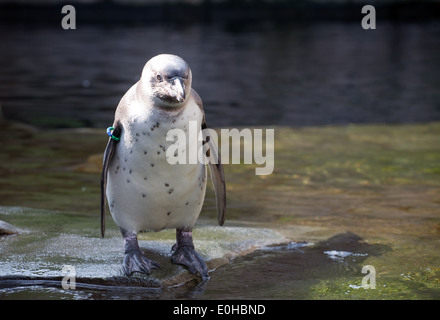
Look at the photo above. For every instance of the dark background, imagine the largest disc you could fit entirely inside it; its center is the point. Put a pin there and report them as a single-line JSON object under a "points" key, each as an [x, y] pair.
{"points": [[289, 63]]}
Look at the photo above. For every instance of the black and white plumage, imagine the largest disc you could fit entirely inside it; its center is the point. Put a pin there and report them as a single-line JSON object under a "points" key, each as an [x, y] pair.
{"points": [[144, 191]]}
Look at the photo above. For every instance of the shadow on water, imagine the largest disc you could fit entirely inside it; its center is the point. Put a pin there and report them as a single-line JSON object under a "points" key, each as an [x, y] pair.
{"points": [[293, 272]]}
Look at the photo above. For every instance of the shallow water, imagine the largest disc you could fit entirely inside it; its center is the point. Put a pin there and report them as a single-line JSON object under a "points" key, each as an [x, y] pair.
{"points": [[372, 200]]}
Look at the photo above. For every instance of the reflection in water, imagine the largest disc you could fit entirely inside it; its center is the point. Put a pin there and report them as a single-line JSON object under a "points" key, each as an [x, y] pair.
{"points": [[292, 273], [272, 75]]}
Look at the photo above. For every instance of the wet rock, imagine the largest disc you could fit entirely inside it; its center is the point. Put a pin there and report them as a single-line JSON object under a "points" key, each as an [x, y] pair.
{"points": [[56, 239], [7, 229], [217, 245]]}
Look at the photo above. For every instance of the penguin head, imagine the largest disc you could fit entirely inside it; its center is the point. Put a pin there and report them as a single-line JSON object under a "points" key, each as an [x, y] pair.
{"points": [[167, 78]]}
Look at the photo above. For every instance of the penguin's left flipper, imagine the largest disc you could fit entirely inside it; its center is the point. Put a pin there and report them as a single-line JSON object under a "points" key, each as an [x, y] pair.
{"points": [[215, 167], [108, 156], [217, 177]]}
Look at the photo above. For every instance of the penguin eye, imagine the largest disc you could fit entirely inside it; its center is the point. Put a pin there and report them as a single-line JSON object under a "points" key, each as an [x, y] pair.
{"points": [[159, 77]]}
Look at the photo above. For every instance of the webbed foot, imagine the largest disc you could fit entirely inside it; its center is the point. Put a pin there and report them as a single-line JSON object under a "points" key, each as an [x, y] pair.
{"points": [[134, 259], [185, 254]]}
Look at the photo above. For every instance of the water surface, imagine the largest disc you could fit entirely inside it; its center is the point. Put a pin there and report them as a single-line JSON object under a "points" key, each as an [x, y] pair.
{"points": [[290, 74], [373, 199]]}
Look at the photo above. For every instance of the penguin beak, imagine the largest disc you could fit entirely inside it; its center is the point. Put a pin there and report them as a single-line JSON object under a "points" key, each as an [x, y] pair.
{"points": [[178, 88]]}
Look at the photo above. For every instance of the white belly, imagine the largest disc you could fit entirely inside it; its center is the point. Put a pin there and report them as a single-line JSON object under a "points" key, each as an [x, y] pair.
{"points": [[144, 191]]}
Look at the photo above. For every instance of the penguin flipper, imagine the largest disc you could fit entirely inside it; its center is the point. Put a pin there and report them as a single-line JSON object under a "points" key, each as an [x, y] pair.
{"points": [[216, 168], [217, 177], [108, 156]]}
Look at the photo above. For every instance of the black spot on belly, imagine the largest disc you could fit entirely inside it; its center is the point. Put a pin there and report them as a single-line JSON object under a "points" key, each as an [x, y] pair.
{"points": [[152, 164], [170, 191], [186, 203], [168, 213], [143, 195], [167, 184], [128, 180]]}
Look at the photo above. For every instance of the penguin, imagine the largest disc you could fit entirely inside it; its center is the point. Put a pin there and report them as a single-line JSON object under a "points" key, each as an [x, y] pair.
{"points": [[144, 191]]}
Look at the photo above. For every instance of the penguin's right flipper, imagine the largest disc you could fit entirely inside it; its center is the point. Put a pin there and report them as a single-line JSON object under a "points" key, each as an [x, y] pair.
{"points": [[108, 156]]}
